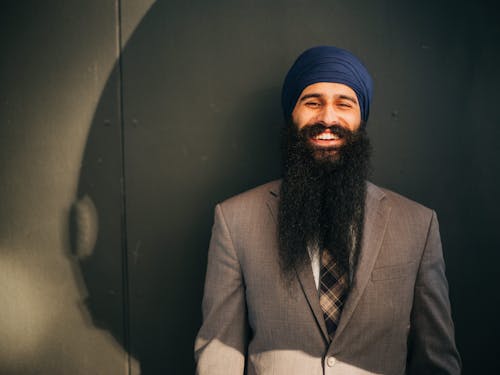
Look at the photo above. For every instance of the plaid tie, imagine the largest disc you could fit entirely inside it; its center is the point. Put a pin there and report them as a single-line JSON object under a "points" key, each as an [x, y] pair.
{"points": [[333, 291]]}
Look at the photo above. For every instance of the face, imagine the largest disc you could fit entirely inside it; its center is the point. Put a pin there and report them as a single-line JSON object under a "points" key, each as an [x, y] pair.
{"points": [[329, 104]]}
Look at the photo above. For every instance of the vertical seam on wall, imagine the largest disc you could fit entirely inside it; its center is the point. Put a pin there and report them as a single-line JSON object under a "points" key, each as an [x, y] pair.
{"points": [[124, 239]]}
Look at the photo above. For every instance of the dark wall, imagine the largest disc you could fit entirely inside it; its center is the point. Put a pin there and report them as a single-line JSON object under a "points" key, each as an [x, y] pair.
{"points": [[122, 123]]}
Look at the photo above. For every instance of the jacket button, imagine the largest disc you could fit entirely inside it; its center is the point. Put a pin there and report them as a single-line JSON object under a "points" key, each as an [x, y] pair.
{"points": [[330, 361]]}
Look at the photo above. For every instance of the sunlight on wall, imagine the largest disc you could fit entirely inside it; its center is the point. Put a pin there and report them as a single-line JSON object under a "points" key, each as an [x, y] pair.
{"points": [[26, 316]]}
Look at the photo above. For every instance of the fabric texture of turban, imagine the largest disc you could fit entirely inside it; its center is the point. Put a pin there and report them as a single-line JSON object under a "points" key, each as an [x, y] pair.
{"points": [[327, 64]]}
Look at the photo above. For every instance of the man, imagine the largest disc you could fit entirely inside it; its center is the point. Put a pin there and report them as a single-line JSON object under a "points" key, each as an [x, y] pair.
{"points": [[323, 272]]}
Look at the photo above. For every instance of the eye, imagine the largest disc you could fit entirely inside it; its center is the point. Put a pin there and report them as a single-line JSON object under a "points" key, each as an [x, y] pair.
{"points": [[313, 104], [345, 104]]}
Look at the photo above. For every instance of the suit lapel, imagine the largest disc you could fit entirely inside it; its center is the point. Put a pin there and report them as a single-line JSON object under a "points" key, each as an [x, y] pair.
{"points": [[304, 275], [376, 218], [308, 285]]}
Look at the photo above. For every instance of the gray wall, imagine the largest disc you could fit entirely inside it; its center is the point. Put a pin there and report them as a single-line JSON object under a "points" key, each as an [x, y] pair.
{"points": [[122, 123]]}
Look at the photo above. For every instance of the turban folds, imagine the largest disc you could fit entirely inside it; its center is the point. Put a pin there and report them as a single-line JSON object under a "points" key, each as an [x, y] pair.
{"points": [[327, 64]]}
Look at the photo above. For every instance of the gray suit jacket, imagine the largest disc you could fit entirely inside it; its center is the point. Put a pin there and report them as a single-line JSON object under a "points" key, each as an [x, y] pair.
{"points": [[396, 319]]}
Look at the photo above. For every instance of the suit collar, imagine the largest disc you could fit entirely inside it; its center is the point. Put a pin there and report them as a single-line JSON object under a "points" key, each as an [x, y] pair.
{"points": [[273, 198], [377, 214]]}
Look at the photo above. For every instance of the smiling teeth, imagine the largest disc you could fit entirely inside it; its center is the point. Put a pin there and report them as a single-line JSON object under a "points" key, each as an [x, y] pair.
{"points": [[326, 136]]}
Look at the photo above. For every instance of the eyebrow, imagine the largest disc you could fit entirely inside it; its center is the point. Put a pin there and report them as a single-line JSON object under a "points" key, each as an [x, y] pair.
{"points": [[317, 95], [308, 96]]}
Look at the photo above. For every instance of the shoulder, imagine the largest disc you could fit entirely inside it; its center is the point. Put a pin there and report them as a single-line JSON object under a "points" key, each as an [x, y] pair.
{"points": [[250, 212], [400, 205], [395, 199], [259, 194]]}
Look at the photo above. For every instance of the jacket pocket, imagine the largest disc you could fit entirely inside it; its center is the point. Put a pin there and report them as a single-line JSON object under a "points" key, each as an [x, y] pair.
{"points": [[396, 271]]}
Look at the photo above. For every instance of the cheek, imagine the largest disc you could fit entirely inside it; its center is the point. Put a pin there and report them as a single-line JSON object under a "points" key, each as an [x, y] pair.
{"points": [[298, 120], [303, 118], [354, 121]]}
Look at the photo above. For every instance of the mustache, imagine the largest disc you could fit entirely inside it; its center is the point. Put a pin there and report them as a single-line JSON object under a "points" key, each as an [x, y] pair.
{"points": [[309, 131]]}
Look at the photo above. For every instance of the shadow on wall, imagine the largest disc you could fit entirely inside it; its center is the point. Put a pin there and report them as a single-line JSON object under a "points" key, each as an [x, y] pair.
{"points": [[196, 129]]}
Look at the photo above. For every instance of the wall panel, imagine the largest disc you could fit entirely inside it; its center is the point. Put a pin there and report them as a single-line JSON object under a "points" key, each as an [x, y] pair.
{"points": [[201, 117]]}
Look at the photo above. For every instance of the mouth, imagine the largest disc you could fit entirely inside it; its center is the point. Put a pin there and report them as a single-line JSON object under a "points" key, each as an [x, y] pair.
{"points": [[327, 138]]}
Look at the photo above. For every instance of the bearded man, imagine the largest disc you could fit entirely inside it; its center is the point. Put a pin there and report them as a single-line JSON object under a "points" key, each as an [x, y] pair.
{"points": [[323, 272]]}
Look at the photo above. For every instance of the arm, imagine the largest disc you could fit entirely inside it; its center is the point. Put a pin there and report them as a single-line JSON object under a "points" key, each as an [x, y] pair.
{"points": [[221, 342], [432, 347]]}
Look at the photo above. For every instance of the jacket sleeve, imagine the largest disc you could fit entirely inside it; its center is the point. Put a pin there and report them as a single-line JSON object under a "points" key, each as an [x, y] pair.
{"points": [[220, 345], [432, 347]]}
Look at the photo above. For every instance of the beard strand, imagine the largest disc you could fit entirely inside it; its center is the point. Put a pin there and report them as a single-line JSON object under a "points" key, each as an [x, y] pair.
{"points": [[322, 199]]}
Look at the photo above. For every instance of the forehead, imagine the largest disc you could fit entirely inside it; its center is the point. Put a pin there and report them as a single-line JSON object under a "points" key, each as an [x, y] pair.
{"points": [[328, 89]]}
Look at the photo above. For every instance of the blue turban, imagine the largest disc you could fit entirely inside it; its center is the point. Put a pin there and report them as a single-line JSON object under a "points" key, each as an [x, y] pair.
{"points": [[327, 64]]}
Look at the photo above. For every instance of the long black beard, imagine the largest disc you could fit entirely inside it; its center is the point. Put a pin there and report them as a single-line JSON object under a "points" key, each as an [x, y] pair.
{"points": [[322, 198]]}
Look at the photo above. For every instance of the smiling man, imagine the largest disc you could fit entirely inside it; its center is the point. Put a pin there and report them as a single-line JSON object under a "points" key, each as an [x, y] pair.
{"points": [[323, 272]]}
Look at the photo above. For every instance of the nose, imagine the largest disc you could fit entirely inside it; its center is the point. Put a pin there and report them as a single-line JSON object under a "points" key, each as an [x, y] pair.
{"points": [[328, 116]]}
